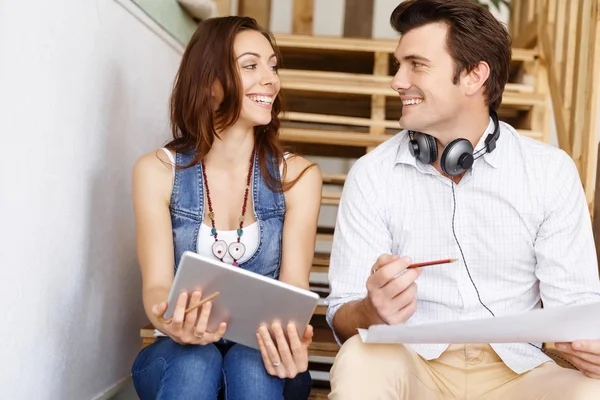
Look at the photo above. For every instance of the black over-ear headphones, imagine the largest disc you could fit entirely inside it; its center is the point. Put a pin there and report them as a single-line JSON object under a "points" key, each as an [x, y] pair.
{"points": [[457, 156]]}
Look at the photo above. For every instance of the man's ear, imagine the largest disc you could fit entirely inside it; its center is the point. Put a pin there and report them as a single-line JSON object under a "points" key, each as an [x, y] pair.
{"points": [[475, 80]]}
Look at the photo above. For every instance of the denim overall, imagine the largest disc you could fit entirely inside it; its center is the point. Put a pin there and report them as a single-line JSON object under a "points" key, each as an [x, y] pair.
{"points": [[242, 372]]}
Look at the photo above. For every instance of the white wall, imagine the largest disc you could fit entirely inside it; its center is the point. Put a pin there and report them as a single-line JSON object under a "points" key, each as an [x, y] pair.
{"points": [[83, 92]]}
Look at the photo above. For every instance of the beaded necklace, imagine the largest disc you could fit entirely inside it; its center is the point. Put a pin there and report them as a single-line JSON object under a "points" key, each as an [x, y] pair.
{"points": [[219, 248]]}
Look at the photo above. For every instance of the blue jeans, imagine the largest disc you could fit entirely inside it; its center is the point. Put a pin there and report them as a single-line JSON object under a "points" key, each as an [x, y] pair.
{"points": [[167, 370]]}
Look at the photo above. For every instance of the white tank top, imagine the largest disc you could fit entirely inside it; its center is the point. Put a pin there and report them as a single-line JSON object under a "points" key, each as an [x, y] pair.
{"points": [[206, 240]]}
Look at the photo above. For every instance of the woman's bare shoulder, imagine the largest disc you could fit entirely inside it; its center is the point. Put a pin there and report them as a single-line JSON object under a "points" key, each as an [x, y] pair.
{"points": [[296, 165]]}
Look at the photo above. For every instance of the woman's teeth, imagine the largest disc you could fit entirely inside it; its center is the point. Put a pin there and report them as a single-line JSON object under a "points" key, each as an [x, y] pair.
{"points": [[262, 99]]}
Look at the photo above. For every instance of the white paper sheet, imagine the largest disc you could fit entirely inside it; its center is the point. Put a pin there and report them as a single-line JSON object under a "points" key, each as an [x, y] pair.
{"points": [[542, 325]]}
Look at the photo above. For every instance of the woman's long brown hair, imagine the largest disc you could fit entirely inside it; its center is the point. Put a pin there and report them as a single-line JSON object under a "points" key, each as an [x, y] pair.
{"points": [[209, 58]]}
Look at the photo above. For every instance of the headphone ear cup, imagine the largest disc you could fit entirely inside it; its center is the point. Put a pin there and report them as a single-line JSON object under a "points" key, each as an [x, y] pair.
{"points": [[425, 147], [457, 157]]}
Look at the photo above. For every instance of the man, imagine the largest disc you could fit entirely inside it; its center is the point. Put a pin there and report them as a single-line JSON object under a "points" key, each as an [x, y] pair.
{"points": [[512, 212]]}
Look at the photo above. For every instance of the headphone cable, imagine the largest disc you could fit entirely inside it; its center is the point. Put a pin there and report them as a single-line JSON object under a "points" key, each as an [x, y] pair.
{"points": [[477, 290]]}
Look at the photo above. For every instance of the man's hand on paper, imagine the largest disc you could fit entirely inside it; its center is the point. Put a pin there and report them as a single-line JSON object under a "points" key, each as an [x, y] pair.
{"points": [[391, 290], [584, 354]]}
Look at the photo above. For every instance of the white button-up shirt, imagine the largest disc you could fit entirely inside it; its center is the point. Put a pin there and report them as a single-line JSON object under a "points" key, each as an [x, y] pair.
{"points": [[521, 220]]}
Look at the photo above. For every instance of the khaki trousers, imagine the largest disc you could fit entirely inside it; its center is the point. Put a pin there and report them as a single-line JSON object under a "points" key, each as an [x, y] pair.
{"points": [[380, 372]]}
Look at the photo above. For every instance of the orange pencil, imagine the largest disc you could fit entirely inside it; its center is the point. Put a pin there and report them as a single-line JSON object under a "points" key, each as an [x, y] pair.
{"points": [[424, 264]]}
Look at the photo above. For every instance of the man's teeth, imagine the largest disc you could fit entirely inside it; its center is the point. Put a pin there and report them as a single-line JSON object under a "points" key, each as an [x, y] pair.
{"points": [[411, 101], [262, 99]]}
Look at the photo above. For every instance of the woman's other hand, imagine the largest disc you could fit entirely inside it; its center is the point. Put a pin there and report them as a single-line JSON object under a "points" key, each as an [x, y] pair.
{"points": [[283, 357]]}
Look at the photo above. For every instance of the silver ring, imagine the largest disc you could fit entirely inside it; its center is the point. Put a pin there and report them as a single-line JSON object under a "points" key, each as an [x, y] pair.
{"points": [[276, 364], [198, 336]]}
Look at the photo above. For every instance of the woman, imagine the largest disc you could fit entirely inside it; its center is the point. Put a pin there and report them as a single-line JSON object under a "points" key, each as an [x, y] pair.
{"points": [[224, 179]]}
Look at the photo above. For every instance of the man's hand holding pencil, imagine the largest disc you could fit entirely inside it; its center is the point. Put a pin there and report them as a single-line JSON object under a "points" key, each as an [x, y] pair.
{"points": [[392, 289]]}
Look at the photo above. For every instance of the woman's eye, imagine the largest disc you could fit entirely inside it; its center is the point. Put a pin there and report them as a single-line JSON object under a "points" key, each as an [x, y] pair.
{"points": [[251, 66], [275, 68]]}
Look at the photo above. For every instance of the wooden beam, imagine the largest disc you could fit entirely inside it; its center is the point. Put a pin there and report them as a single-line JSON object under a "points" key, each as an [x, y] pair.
{"points": [[528, 36], [568, 61], [257, 9], [302, 17], [590, 155], [380, 68], [514, 18], [581, 84], [358, 18], [368, 45], [223, 8], [596, 214], [553, 82]]}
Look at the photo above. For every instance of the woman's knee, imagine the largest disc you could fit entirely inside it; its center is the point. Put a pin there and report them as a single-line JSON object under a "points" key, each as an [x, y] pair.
{"points": [[198, 358], [246, 376], [167, 366], [244, 358]]}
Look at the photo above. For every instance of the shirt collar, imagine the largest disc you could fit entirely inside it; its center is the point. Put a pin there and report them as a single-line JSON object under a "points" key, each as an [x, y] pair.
{"points": [[403, 155]]}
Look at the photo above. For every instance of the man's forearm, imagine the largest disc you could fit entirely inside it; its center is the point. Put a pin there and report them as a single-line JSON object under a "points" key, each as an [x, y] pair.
{"points": [[350, 317]]}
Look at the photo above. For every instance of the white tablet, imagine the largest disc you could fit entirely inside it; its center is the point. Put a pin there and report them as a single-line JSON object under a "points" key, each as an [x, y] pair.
{"points": [[246, 299]]}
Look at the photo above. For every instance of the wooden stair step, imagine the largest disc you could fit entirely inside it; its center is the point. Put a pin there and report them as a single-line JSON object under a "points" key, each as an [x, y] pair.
{"points": [[323, 344], [338, 120], [325, 234], [318, 394], [367, 45], [330, 198], [320, 136], [343, 120], [344, 82], [341, 138], [320, 263], [334, 179]]}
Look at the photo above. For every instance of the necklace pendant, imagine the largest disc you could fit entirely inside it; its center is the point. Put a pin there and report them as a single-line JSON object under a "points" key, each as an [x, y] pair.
{"points": [[235, 264], [237, 250], [219, 248]]}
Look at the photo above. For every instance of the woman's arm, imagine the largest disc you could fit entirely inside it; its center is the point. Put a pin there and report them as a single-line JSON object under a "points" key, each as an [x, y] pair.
{"points": [[303, 202], [151, 191]]}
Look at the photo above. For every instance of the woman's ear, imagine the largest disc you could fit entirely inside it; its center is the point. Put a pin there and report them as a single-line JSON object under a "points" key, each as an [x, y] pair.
{"points": [[216, 94]]}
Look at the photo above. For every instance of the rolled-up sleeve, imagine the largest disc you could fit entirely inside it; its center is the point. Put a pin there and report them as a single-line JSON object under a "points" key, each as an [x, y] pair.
{"points": [[361, 236]]}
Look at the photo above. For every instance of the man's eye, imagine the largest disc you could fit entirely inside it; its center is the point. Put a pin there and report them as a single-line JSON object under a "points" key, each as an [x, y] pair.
{"points": [[417, 64]]}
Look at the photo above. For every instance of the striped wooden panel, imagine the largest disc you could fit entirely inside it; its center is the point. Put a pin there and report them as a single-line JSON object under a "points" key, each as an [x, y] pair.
{"points": [[257, 9], [358, 21], [302, 17]]}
